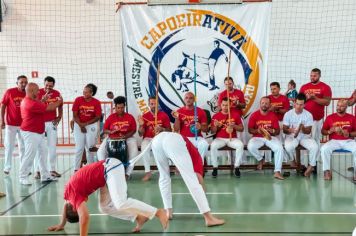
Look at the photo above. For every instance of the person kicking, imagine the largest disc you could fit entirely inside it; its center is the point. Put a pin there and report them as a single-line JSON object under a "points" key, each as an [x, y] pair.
{"points": [[177, 148], [108, 176]]}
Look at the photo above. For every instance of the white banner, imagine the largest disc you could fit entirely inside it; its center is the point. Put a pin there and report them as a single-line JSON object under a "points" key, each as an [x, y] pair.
{"points": [[171, 36]]}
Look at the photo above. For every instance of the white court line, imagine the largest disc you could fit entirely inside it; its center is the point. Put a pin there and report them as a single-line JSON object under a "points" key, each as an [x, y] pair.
{"points": [[211, 193], [215, 213]]}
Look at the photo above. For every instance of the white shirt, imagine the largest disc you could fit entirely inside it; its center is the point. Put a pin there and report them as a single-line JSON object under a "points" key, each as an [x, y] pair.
{"points": [[293, 120]]}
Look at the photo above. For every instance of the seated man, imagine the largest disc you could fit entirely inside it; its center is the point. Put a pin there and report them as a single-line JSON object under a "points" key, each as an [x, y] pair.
{"points": [[177, 148], [341, 128], [225, 130], [147, 129], [264, 127], [109, 176], [121, 125], [297, 125], [187, 124]]}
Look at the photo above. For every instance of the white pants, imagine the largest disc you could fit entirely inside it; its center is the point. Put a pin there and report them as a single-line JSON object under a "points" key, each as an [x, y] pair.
{"points": [[84, 141], [131, 149], [274, 144], [32, 146], [332, 145], [168, 145], [221, 142], [113, 197], [309, 143], [201, 144], [9, 144], [316, 133], [147, 157], [49, 147]]}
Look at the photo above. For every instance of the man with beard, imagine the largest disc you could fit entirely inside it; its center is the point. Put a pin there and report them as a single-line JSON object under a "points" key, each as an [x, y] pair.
{"points": [[264, 127], [341, 128], [148, 129], [49, 95], [10, 105], [318, 97]]}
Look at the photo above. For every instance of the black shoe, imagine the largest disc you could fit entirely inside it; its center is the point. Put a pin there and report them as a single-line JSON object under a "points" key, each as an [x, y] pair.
{"points": [[215, 172], [237, 172]]}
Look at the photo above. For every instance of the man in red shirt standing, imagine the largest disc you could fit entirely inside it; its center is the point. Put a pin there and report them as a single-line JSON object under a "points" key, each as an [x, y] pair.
{"points": [[108, 176], [10, 105], [148, 130], [226, 134], [177, 148], [264, 127], [32, 131], [318, 97], [341, 128], [120, 125], [49, 95], [185, 123], [236, 96]]}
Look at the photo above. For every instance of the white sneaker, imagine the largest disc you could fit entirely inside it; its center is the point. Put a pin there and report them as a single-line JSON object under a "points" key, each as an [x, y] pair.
{"points": [[48, 179], [25, 182]]}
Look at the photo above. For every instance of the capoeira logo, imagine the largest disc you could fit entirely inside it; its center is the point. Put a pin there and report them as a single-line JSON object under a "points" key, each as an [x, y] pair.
{"points": [[191, 51]]}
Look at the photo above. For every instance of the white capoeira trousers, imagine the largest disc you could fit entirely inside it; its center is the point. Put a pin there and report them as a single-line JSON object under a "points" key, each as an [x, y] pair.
{"points": [[113, 198], [316, 133], [171, 146], [11, 132], [221, 142], [201, 144], [132, 151], [274, 144], [332, 145], [84, 141], [309, 143], [49, 147], [147, 156], [32, 146]]}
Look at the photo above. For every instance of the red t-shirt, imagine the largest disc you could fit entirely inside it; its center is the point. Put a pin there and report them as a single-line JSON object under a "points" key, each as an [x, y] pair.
{"points": [[321, 90], [281, 102], [32, 113], [186, 118], [233, 96], [224, 119], [269, 120], [12, 100], [86, 110], [122, 124], [53, 96], [84, 182], [195, 156], [149, 122], [346, 122]]}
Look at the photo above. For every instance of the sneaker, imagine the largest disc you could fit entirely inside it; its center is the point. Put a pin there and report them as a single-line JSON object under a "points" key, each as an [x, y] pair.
{"points": [[6, 172], [2, 194], [55, 174], [48, 179], [237, 172], [25, 182], [215, 172]]}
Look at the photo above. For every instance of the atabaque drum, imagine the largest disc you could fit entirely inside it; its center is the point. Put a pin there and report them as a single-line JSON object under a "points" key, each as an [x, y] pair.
{"points": [[117, 148]]}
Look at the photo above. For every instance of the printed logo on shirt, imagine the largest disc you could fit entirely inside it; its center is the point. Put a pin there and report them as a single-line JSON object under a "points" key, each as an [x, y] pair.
{"points": [[86, 110], [313, 91], [120, 126], [17, 101], [264, 123]]}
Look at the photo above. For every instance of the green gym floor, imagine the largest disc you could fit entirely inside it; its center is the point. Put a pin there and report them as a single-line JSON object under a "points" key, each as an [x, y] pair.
{"points": [[255, 204]]}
